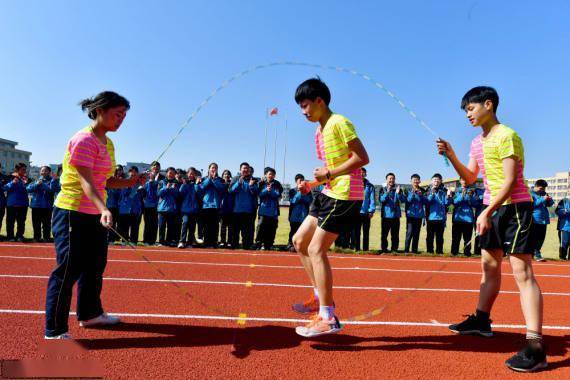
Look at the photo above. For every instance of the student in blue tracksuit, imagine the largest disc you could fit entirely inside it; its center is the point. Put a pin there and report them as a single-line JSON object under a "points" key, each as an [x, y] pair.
{"points": [[436, 209], [415, 213], [540, 215], [391, 212], [17, 203], [131, 208], [150, 201], [4, 179], [298, 209], [226, 212], [366, 214], [245, 190], [168, 191], [113, 196], [477, 195], [189, 208], [269, 195], [212, 190], [463, 220], [42, 191], [255, 201], [563, 212]]}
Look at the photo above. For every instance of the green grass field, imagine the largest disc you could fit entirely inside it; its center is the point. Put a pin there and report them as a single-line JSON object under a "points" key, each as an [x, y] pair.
{"points": [[549, 250]]}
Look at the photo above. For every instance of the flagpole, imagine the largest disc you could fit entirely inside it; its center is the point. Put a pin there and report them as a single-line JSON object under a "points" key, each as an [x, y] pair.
{"points": [[275, 148], [265, 145], [285, 150]]}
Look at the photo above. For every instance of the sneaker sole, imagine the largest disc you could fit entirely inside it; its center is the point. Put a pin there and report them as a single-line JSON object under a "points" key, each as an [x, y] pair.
{"points": [[301, 331], [473, 332], [539, 366], [304, 312]]}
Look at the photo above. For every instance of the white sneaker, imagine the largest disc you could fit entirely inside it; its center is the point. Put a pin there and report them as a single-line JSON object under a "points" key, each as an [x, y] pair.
{"points": [[199, 241], [181, 245], [65, 336], [102, 320]]}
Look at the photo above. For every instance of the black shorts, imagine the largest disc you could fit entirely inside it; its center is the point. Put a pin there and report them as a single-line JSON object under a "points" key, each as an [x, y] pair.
{"points": [[335, 215], [511, 229]]}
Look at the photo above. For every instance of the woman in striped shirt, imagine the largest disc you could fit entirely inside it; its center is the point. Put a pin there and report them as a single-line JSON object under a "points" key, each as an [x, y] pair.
{"points": [[81, 218]]}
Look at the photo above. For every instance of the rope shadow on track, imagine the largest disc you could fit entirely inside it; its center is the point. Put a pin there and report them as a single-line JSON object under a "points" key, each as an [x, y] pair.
{"points": [[252, 338]]}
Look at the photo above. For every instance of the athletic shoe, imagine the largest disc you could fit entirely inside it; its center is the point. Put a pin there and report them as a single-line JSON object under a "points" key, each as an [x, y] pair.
{"points": [[199, 241], [473, 326], [102, 320], [319, 326], [538, 257], [308, 307], [531, 358], [65, 336], [181, 245]]}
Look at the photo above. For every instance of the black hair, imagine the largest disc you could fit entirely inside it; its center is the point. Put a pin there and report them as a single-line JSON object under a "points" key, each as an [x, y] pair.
{"points": [[480, 95], [541, 183], [20, 165], [299, 176], [59, 169], [155, 163], [119, 166], [312, 89], [213, 163], [170, 168], [251, 169], [242, 164], [226, 171], [268, 169], [437, 175], [364, 170], [390, 174], [104, 100], [415, 176], [47, 167], [136, 169]]}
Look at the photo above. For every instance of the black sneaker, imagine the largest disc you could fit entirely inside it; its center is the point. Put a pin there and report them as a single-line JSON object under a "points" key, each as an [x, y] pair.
{"points": [[473, 326], [531, 358]]}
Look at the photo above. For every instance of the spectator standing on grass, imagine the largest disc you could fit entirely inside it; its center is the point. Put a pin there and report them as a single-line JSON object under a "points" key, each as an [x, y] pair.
{"points": [[17, 203], [131, 208], [245, 190], [462, 220], [42, 191], [541, 216], [415, 213], [3, 181], [190, 208], [477, 198], [269, 196], [366, 214], [150, 201], [563, 212], [391, 213], [168, 191], [113, 196], [226, 212], [436, 206], [212, 190], [298, 208]]}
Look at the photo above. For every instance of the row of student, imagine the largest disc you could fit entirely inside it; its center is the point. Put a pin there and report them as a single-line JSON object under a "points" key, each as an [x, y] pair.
{"points": [[429, 206], [18, 192]]}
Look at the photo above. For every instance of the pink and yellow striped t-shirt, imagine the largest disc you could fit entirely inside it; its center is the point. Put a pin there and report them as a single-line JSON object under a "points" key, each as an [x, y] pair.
{"points": [[332, 148], [85, 150], [490, 152]]}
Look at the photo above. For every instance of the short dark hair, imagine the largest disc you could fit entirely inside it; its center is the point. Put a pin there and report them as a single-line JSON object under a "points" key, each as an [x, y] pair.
{"points": [[299, 177], [480, 95], [541, 183], [155, 163], [171, 168], [437, 175], [390, 174], [242, 164], [415, 176], [226, 171], [104, 100], [135, 168], [269, 169], [312, 89], [47, 167], [363, 169], [20, 165]]}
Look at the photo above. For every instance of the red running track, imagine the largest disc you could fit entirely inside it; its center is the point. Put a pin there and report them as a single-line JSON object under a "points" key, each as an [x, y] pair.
{"points": [[244, 297]]}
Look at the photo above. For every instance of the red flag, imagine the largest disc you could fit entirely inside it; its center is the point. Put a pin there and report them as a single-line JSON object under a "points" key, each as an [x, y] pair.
{"points": [[273, 111]]}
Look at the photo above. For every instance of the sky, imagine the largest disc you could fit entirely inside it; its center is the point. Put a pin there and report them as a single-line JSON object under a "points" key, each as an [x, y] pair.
{"points": [[166, 57]]}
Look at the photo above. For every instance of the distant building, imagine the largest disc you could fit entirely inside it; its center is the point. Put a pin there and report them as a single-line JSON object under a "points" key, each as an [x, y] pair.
{"points": [[10, 156], [557, 185], [34, 172], [143, 167]]}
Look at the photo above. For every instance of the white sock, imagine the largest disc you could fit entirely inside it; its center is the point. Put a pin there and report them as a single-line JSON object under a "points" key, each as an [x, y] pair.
{"points": [[326, 312], [316, 293]]}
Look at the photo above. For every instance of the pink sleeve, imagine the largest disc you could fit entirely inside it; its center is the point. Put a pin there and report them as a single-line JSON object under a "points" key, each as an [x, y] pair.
{"points": [[82, 151]]}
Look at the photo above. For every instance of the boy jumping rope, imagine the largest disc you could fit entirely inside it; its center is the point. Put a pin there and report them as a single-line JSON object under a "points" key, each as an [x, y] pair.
{"points": [[504, 225], [335, 209]]}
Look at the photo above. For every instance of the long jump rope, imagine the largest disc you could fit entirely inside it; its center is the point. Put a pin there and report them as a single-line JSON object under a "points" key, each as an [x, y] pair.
{"points": [[242, 317]]}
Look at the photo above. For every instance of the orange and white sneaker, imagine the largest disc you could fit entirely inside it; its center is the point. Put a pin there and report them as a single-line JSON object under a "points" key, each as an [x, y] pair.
{"points": [[319, 326], [308, 307]]}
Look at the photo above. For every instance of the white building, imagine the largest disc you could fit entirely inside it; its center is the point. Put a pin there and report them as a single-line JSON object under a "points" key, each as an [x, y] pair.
{"points": [[10, 156]]}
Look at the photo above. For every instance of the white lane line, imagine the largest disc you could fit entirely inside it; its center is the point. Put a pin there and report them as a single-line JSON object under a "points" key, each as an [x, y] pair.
{"points": [[287, 266], [282, 285], [284, 320], [223, 252]]}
